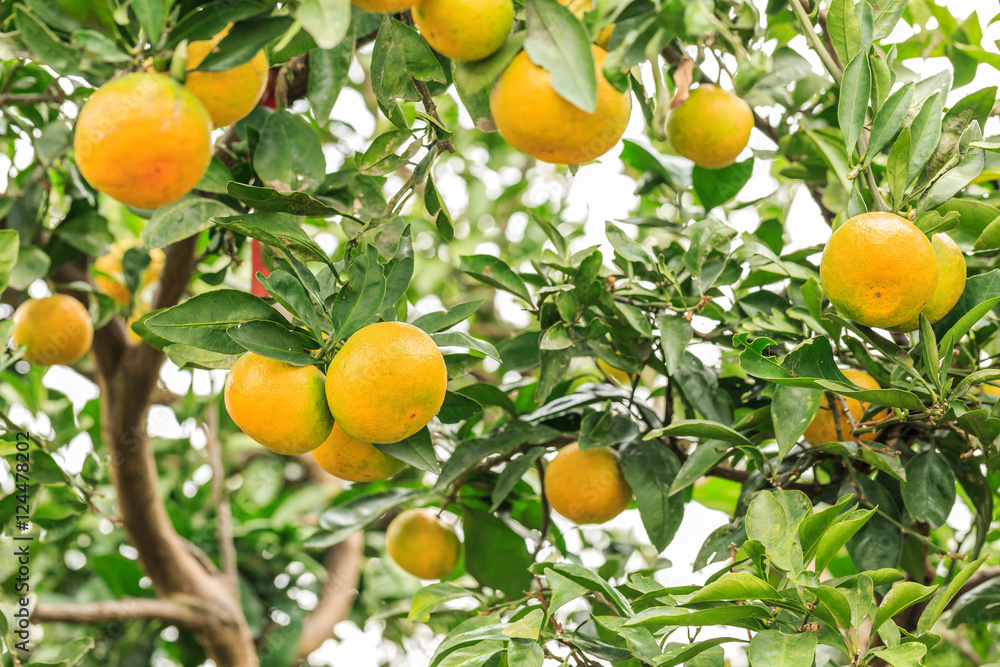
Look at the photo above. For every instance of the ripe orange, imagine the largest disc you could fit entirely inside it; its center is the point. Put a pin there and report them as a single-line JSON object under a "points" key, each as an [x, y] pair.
{"points": [[386, 382], [143, 139], [533, 118], [354, 460], [110, 278], [822, 428], [711, 128], [279, 405], [231, 94], [951, 282], [879, 270], [422, 544], [384, 6], [587, 485], [55, 331], [464, 29]]}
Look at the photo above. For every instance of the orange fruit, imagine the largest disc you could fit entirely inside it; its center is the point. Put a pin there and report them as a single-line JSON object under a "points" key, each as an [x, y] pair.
{"points": [[822, 428], [231, 94], [587, 485], [386, 383], [464, 29], [384, 6], [951, 282], [354, 460], [535, 119], [618, 375], [55, 330], [879, 270], [279, 405], [143, 139], [711, 128], [422, 544]]}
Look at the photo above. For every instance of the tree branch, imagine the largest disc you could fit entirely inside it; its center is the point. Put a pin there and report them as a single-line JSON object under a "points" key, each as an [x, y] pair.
{"points": [[116, 611], [223, 513]]}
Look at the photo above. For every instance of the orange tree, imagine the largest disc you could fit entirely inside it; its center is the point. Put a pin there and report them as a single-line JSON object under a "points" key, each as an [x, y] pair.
{"points": [[416, 307]]}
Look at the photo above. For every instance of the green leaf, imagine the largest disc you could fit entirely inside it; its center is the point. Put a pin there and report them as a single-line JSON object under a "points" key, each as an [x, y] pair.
{"points": [[939, 603], [708, 455], [243, 42], [278, 230], [669, 617], [439, 321], [269, 200], [834, 602], [417, 451], [524, 653], [399, 56], [925, 130], [717, 186], [527, 627], [735, 586], [343, 520], [42, 42], [8, 255], [675, 334], [838, 535], [687, 654], [328, 69], [888, 15], [380, 158], [773, 519], [624, 245], [904, 655], [204, 319], [436, 208], [182, 219], [952, 181], [700, 429], [930, 491], [473, 77], [902, 595], [776, 649], [844, 28], [650, 469], [897, 168], [152, 15], [512, 474], [889, 120], [792, 410], [462, 339], [879, 542], [854, 93], [430, 597], [494, 554], [360, 299], [289, 155], [977, 299], [989, 239], [327, 21], [558, 42], [494, 272], [272, 340], [588, 580]]}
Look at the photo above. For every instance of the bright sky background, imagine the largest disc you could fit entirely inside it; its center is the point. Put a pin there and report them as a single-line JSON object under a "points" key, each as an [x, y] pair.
{"points": [[599, 192]]}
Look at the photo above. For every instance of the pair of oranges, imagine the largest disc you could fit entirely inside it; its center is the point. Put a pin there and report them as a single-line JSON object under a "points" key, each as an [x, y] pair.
{"points": [[145, 139]]}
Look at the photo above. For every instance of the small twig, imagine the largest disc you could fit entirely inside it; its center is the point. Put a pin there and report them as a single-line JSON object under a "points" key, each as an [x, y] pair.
{"points": [[56, 96], [546, 510]]}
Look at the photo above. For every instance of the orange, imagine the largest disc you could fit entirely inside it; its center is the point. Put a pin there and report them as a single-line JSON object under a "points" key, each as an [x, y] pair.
{"points": [[55, 331], [533, 118], [231, 94], [711, 128], [822, 428], [422, 544], [386, 382], [464, 29], [587, 485], [354, 460], [144, 140], [879, 270], [579, 9], [951, 282], [110, 278], [621, 377], [384, 6], [279, 405]]}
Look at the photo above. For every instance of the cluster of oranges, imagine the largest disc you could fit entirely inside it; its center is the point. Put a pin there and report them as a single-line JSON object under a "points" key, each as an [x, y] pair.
{"points": [[145, 139]]}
